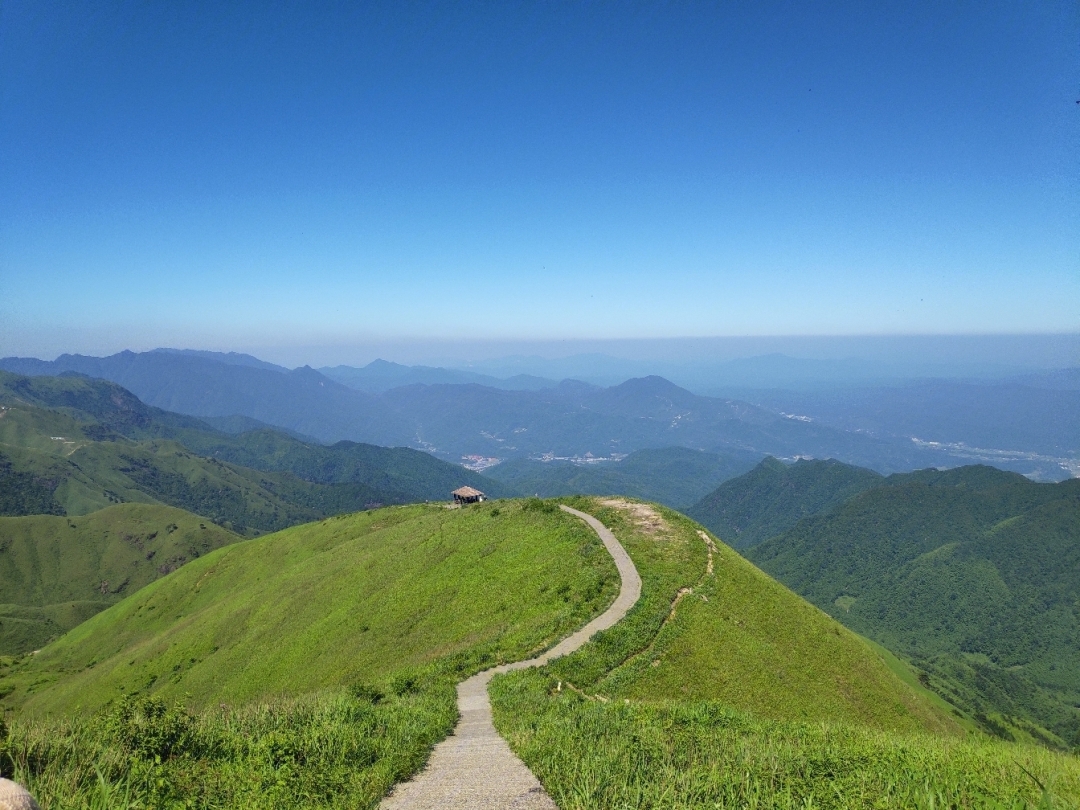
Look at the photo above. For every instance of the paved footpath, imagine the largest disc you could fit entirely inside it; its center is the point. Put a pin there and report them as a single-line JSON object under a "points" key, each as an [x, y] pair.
{"points": [[474, 767]]}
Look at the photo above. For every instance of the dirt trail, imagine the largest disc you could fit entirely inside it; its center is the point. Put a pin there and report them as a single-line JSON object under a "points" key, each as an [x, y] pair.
{"points": [[474, 767]]}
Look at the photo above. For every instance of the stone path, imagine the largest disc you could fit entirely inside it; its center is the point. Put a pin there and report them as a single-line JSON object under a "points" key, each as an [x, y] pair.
{"points": [[474, 767]]}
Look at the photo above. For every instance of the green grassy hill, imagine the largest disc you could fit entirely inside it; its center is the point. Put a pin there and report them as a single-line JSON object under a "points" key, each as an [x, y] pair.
{"points": [[775, 496], [53, 452], [356, 597], [56, 572], [725, 689], [972, 572], [737, 636], [315, 667], [674, 476]]}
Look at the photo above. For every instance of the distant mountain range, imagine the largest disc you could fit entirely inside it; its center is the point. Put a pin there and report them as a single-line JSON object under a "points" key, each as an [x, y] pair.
{"points": [[379, 376], [1020, 426], [71, 445], [971, 573]]}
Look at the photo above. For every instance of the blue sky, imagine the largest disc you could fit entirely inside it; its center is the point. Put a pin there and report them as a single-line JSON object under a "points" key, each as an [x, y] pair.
{"points": [[279, 176]]}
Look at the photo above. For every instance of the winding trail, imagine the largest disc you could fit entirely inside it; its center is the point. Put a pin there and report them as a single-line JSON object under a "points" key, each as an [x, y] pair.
{"points": [[474, 767]]}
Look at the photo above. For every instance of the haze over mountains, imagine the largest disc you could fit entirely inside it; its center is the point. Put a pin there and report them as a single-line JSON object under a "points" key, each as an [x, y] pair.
{"points": [[1020, 424]]}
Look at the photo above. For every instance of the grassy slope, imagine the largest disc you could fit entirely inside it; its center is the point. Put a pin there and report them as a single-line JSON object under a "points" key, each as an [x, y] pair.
{"points": [[674, 476], [356, 597], [758, 699], [774, 496], [56, 572], [741, 638], [973, 572]]}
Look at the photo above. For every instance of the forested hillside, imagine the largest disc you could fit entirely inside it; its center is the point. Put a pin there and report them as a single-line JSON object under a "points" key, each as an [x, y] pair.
{"points": [[775, 496], [972, 572], [74, 444]]}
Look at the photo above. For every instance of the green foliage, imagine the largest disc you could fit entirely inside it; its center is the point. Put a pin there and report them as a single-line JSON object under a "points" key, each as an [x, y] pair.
{"points": [[774, 497], [972, 573], [370, 618], [23, 493], [56, 572], [705, 754], [734, 635], [674, 476], [354, 599], [330, 749]]}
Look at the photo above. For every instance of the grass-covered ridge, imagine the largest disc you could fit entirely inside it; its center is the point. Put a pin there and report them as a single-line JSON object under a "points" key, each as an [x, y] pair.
{"points": [[56, 572], [738, 693], [734, 635]]}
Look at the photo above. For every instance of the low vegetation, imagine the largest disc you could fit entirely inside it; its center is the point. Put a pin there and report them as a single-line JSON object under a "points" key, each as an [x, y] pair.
{"points": [[310, 668], [684, 754], [336, 749], [56, 572]]}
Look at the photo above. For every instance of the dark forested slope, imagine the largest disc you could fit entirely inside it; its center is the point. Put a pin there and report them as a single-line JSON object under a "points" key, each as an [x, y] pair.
{"points": [[973, 572], [775, 496]]}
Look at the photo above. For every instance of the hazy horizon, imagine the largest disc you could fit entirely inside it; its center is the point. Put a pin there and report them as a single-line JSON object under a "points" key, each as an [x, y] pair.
{"points": [[895, 355]]}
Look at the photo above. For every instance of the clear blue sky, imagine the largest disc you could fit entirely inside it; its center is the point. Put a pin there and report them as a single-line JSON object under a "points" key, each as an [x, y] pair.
{"points": [[311, 174]]}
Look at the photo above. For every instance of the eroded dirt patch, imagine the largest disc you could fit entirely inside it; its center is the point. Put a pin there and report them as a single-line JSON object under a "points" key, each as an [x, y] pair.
{"points": [[642, 515]]}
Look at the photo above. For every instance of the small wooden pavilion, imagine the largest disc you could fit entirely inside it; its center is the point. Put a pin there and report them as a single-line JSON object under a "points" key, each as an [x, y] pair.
{"points": [[468, 495]]}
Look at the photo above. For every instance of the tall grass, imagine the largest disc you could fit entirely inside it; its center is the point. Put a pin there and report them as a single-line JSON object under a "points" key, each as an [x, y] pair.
{"points": [[591, 754], [327, 750]]}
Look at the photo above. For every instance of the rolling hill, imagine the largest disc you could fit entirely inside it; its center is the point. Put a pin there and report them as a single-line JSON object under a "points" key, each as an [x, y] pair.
{"points": [[317, 666], [58, 454], [724, 689], [56, 572], [357, 597]]}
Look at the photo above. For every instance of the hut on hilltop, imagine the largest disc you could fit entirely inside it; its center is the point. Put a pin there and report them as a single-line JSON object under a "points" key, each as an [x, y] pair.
{"points": [[468, 495]]}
